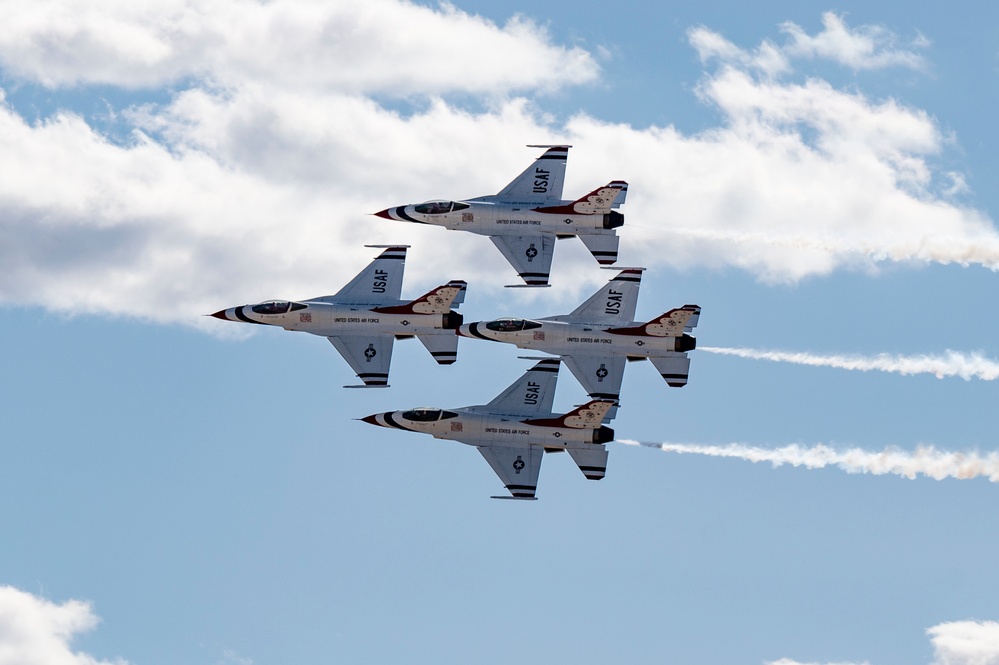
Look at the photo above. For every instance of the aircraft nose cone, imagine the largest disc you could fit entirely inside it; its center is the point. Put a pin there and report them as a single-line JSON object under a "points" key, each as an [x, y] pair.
{"points": [[384, 214], [371, 420], [463, 331], [220, 315]]}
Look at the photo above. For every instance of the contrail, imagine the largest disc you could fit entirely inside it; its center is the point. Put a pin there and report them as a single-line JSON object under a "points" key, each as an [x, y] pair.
{"points": [[950, 363], [924, 460]]}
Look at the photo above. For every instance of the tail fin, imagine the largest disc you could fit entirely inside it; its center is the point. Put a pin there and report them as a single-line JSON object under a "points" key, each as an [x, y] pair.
{"points": [[598, 202], [436, 301], [588, 416], [673, 323]]}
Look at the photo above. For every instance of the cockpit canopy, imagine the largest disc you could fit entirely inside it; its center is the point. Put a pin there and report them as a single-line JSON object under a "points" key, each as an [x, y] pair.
{"points": [[439, 207], [427, 415], [277, 307], [512, 325]]}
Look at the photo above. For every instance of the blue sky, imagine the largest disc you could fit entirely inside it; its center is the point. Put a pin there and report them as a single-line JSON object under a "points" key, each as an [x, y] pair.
{"points": [[818, 178]]}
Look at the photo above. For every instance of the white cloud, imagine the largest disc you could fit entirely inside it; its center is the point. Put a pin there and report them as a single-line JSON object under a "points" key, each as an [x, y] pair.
{"points": [[965, 643], [35, 631], [363, 46], [866, 47], [710, 45], [254, 181]]}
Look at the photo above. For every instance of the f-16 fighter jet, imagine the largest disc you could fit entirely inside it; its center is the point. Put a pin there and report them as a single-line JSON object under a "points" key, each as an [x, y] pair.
{"points": [[526, 217], [597, 337], [515, 430], [363, 319]]}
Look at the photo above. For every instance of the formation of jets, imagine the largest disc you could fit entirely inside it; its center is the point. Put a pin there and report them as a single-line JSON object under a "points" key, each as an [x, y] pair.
{"points": [[595, 340]]}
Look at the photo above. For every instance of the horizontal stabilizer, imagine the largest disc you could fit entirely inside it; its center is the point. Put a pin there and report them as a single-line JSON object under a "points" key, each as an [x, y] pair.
{"points": [[603, 247], [592, 460], [443, 346], [674, 369]]}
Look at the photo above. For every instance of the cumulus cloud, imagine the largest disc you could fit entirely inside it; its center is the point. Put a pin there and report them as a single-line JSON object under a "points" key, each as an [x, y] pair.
{"points": [[36, 631], [866, 47], [965, 643], [252, 181], [361, 46], [954, 643]]}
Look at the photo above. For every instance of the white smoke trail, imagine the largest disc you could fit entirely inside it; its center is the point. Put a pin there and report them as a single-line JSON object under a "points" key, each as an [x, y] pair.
{"points": [[950, 363], [981, 249], [924, 460]]}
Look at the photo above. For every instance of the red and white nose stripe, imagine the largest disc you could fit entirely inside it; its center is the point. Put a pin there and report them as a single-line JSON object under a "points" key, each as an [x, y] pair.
{"points": [[398, 213], [235, 314], [386, 419]]}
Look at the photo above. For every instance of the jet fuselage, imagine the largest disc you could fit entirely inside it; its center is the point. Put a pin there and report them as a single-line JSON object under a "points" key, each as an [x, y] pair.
{"points": [[328, 319], [490, 219], [465, 424], [563, 338]]}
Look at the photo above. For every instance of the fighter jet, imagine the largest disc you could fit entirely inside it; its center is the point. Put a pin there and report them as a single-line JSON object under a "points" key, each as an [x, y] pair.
{"points": [[526, 217], [597, 337], [363, 319], [515, 430]]}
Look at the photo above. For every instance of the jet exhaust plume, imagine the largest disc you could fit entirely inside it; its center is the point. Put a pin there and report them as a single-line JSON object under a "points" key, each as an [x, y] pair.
{"points": [[924, 460], [950, 363]]}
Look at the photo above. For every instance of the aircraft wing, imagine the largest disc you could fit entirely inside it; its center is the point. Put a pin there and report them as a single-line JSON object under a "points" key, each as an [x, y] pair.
{"points": [[368, 355], [530, 395], [530, 255], [542, 182], [614, 303], [381, 281], [600, 376], [517, 466]]}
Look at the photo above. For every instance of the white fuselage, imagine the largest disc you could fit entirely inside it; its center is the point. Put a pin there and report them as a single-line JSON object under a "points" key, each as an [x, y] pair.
{"points": [[562, 338], [328, 319], [492, 219], [469, 426]]}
